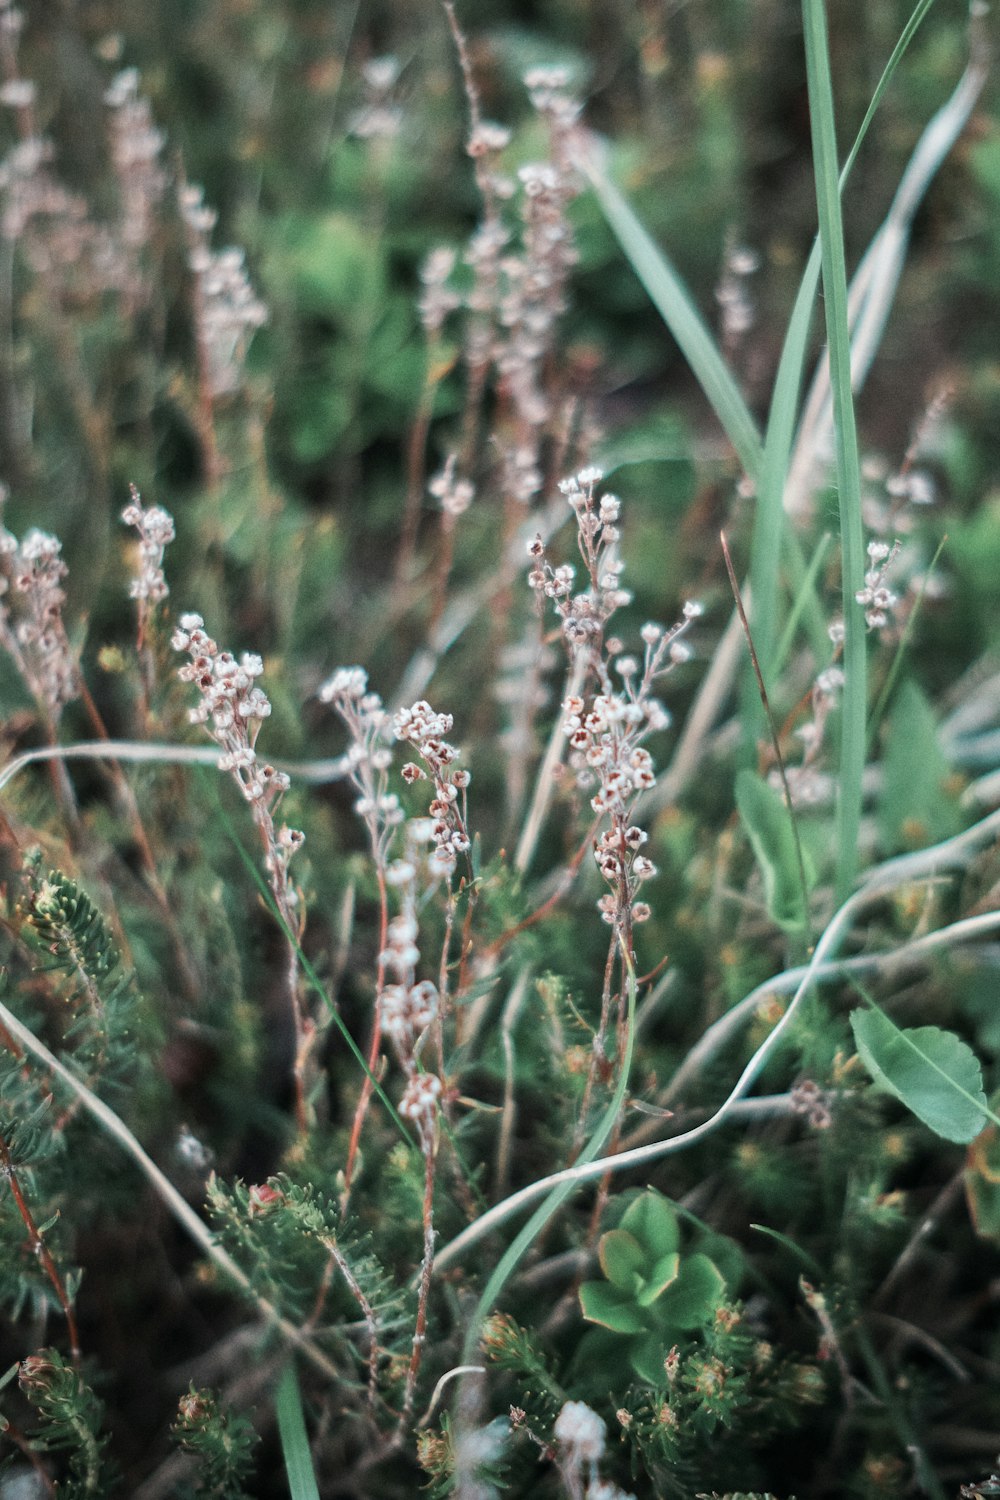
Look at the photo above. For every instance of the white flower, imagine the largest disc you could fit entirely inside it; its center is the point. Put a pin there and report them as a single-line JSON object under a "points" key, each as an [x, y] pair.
{"points": [[579, 1428]]}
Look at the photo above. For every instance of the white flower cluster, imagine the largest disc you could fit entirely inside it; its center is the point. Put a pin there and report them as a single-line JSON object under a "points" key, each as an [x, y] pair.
{"points": [[368, 755], [580, 1431], [421, 727], [379, 117], [156, 529], [232, 709], [437, 299], [31, 622], [604, 740], [733, 296], [518, 289], [72, 253], [582, 1439], [584, 614], [876, 598], [408, 1005], [228, 313], [455, 495], [135, 146], [420, 1101], [814, 1103], [808, 785], [606, 731]]}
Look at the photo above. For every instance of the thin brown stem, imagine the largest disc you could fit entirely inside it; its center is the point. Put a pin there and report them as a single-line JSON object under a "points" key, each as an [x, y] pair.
{"points": [[423, 1294], [367, 1312], [21, 1440], [375, 1044], [416, 465], [598, 1056], [40, 1249]]}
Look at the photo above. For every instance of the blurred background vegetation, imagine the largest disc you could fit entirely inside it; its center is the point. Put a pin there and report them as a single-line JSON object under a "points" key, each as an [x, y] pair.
{"points": [[288, 542]]}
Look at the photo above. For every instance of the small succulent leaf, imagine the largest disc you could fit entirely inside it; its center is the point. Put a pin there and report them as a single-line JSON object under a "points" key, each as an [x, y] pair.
{"points": [[725, 1254], [932, 1071], [662, 1275], [647, 1355], [622, 1258], [605, 1304], [694, 1296], [651, 1219]]}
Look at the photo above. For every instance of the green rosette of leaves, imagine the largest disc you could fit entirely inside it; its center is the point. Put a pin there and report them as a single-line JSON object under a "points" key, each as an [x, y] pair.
{"points": [[653, 1293]]}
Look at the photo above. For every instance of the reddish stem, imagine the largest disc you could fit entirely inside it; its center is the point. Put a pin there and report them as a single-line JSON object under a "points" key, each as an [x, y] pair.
{"points": [[376, 1041], [41, 1250]]}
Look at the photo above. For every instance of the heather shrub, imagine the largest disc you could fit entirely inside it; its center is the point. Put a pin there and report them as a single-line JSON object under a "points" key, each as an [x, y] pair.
{"points": [[498, 808]]}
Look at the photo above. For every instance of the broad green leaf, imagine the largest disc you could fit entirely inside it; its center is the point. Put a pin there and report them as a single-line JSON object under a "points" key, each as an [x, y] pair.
{"points": [[772, 838], [982, 1183], [692, 1299], [603, 1303], [914, 811], [651, 1219], [724, 1253], [335, 266], [663, 1274], [932, 1071], [622, 1259], [647, 1357], [662, 437]]}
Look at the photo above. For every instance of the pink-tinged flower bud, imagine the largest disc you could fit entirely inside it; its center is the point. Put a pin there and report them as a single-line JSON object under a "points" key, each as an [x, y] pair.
{"points": [[264, 1199]]}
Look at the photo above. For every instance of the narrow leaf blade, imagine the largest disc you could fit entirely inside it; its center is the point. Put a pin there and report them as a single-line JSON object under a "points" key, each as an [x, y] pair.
{"points": [[294, 1440]]}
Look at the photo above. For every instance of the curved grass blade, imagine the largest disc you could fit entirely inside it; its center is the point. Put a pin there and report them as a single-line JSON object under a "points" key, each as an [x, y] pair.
{"points": [[768, 466], [674, 304]]}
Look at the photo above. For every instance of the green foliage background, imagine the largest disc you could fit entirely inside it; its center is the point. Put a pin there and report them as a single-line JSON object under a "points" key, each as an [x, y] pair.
{"points": [[291, 554]]}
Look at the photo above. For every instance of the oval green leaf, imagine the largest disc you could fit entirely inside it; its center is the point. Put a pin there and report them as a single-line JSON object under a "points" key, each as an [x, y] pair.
{"points": [[605, 1304], [622, 1259], [932, 1071], [662, 1275], [691, 1300], [652, 1220]]}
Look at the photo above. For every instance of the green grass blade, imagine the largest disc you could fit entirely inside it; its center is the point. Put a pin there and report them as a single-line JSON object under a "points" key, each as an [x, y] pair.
{"points": [[673, 302], [768, 465], [805, 594], [783, 414], [294, 1441], [831, 234], [512, 1256], [906, 36]]}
